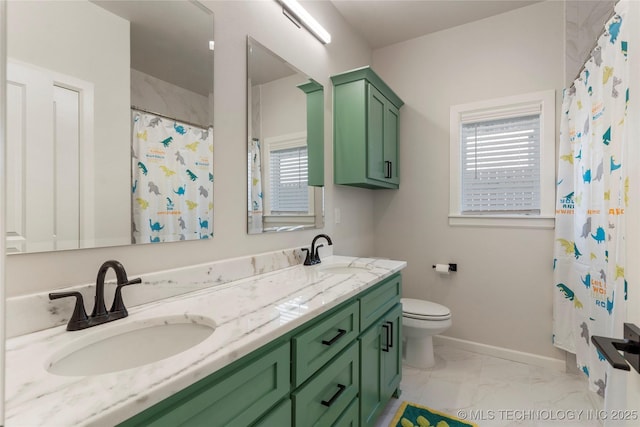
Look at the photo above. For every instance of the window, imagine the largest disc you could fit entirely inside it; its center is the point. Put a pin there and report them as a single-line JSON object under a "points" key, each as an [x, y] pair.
{"points": [[289, 192], [502, 162], [287, 198]]}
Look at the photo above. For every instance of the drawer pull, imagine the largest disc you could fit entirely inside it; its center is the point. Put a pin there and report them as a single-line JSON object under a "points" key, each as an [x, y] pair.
{"points": [[330, 402], [341, 332], [386, 336]]}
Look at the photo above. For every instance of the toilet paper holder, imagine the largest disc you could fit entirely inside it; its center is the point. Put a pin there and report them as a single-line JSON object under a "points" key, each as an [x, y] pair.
{"points": [[452, 267]]}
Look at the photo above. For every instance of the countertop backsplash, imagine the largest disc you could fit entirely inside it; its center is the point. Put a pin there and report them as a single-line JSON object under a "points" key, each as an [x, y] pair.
{"points": [[35, 312]]}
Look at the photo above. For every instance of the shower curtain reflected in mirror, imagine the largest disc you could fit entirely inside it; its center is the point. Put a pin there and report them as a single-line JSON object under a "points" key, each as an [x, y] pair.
{"points": [[172, 180], [255, 187]]}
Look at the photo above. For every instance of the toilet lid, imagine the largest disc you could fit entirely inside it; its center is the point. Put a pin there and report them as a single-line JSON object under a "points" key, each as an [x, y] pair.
{"points": [[417, 308]]}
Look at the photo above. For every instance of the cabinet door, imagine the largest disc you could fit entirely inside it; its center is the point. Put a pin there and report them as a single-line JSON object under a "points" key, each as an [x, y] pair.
{"points": [[380, 365], [392, 358], [390, 148], [371, 396], [376, 112]]}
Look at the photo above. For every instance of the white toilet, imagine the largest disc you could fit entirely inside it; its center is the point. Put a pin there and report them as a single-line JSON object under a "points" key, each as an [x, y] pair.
{"points": [[421, 320]]}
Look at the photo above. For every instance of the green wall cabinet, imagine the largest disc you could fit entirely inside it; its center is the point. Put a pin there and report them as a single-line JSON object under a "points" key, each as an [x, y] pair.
{"points": [[339, 369], [365, 130]]}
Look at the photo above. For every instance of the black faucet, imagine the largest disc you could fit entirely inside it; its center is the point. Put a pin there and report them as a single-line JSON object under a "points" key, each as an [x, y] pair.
{"points": [[312, 257], [79, 320]]}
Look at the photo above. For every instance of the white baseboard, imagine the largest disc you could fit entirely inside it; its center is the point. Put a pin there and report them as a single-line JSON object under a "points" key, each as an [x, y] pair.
{"points": [[502, 353]]}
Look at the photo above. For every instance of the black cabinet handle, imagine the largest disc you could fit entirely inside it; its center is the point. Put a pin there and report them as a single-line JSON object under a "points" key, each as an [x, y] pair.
{"points": [[328, 403], [341, 332], [386, 335], [390, 339], [389, 168]]}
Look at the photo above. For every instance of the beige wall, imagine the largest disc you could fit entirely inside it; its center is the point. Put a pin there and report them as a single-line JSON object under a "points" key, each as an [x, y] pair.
{"points": [[233, 21], [502, 293], [283, 107]]}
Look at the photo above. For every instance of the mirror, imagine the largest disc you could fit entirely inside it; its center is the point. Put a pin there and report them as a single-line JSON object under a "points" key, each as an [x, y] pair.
{"points": [[109, 112], [285, 145]]}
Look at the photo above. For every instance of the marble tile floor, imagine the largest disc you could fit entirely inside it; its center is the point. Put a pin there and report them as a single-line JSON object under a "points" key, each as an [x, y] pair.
{"points": [[496, 392]]}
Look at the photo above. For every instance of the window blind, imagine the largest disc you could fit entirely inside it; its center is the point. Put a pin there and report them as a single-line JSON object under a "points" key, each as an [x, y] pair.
{"points": [[288, 171], [501, 165]]}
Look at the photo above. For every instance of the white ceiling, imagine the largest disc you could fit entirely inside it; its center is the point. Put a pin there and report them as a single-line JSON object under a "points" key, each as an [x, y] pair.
{"points": [[385, 22]]}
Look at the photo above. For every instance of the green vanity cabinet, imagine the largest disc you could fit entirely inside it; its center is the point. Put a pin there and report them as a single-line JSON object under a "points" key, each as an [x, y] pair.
{"points": [[380, 364], [315, 132], [365, 130], [339, 369]]}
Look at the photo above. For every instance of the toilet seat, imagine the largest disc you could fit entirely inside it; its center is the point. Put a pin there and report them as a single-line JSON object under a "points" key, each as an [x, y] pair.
{"points": [[424, 310]]}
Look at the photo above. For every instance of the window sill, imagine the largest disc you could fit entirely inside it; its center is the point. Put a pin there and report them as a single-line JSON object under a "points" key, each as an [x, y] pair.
{"points": [[507, 221]]}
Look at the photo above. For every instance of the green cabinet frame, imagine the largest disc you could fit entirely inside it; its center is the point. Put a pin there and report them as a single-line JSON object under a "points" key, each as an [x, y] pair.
{"points": [[365, 134]]}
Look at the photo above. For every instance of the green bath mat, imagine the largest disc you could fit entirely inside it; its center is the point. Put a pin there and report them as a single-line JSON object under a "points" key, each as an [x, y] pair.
{"points": [[412, 415]]}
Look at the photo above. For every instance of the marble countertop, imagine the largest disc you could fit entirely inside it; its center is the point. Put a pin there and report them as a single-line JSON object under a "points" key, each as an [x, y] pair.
{"points": [[248, 313]]}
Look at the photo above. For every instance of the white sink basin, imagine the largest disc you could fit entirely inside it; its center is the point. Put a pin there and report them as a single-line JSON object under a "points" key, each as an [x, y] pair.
{"points": [[343, 268], [115, 347]]}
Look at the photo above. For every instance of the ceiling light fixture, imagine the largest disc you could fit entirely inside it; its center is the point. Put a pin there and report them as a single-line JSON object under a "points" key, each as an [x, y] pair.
{"points": [[301, 15]]}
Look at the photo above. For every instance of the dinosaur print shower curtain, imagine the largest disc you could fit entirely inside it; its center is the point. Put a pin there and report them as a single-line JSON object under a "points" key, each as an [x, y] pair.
{"points": [[590, 288], [172, 180], [255, 187]]}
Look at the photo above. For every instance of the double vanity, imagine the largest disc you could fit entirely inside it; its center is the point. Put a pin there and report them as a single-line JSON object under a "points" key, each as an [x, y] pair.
{"points": [[261, 340]]}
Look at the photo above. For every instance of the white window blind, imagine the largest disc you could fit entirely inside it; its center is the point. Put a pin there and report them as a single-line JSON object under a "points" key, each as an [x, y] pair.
{"points": [[288, 170], [500, 165]]}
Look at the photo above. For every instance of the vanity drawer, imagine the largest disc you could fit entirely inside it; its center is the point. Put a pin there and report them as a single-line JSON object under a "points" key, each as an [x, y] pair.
{"points": [[316, 345], [238, 397], [323, 400], [379, 300], [350, 417]]}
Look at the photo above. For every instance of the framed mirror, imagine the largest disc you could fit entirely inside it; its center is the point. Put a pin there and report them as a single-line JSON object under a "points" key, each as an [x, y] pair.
{"points": [[285, 145], [109, 137]]}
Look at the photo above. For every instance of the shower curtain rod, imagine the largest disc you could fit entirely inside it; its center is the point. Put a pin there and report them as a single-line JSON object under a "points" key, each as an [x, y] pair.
{"points": [[593, 47], [142, 110]]}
